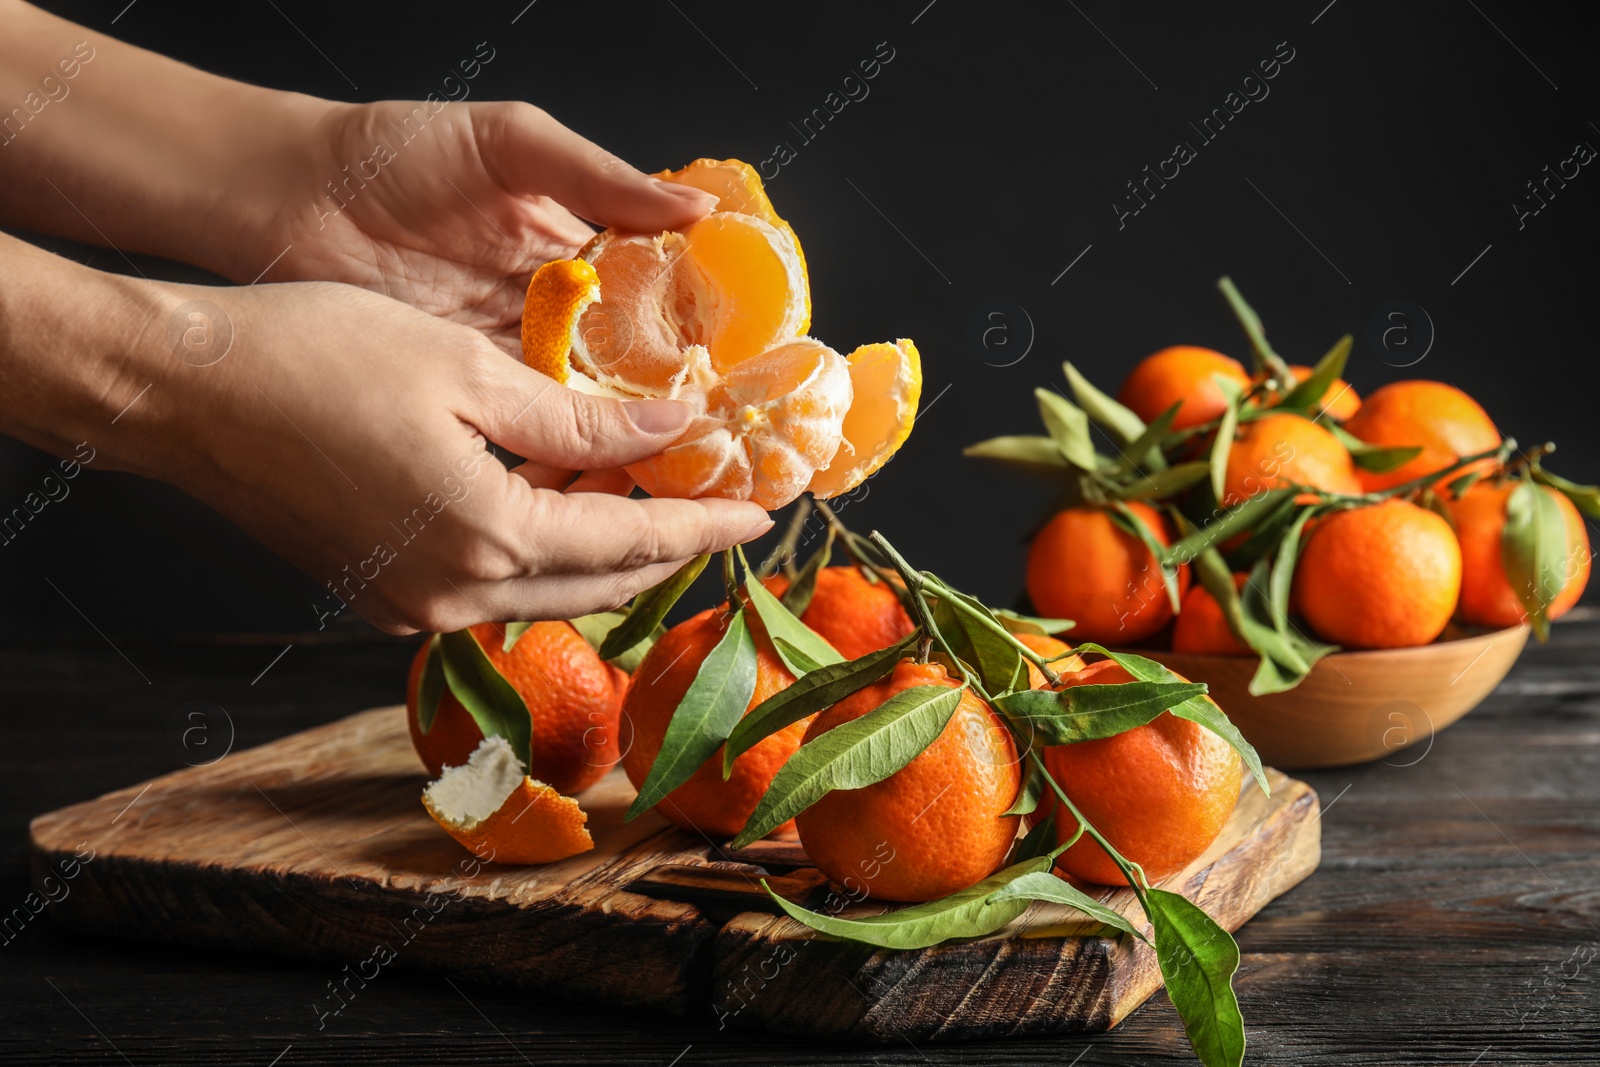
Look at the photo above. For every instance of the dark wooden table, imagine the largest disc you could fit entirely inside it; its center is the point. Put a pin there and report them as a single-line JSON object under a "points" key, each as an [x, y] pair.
{"points": [[1455, 918]]}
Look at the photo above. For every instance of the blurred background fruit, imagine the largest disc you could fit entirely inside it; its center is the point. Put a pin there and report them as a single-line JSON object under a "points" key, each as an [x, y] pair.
{"points": [[1182, 374], [1381, 576], [1284, 449], [1083, 566], [1443, 420], [1487, 595]]}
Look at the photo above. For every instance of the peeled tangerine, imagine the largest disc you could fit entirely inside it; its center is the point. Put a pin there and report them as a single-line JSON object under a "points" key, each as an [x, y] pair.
{"points": [[716, 316], [502, 815]]}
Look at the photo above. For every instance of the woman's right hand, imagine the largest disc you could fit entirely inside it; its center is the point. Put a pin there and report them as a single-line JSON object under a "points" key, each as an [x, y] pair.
{"points": [[346, 431]]}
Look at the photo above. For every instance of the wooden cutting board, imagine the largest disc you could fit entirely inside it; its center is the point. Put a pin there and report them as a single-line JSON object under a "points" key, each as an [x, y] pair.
{"points": [[317, 846]]}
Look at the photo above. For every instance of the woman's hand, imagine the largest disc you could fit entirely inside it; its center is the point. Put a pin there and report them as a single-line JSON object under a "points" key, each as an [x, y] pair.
{"points": [[347, 432], [450, 207]]}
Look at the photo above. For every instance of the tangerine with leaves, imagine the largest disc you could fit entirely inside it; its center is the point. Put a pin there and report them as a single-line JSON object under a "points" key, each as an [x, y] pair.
{"points": [[1085, 567], [1185, 375], [1160, 793], [573, 696], [706, 802], [1443, 421], [1286, 449], [1488, 597], [1384, 575], [933, 827]]}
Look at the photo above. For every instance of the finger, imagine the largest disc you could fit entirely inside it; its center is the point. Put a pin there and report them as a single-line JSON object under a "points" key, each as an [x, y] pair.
{"points": [[542, 420], [568, 597], [597, 533], [542, 477], [615, 482], [530, 153]]}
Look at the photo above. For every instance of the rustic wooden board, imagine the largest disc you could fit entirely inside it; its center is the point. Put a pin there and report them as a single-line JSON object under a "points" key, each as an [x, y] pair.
{"points": [[317, 846]]}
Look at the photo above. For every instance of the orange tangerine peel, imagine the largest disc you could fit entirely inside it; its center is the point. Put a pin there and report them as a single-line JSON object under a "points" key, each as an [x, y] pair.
{"points": [[503, 816], [715, 316]]}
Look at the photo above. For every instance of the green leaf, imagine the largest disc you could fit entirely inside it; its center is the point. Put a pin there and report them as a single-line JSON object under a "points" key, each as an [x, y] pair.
{"points": [[1041, 836], [1042, 885], [1069, 428], [966, 913], [1329, 368], [853, 755], [1162, 483], [1089, 712], [1534, 550], [430, 686], [1124, 426], [1018, 623], [797, 598], [1221, 447], [1027, 801], [1125, 517], [996, 659], [514, 632], [494, 704], [1375, 458], [1144, 450], [594, 629], [1198, 959], [782, 625], [1224, 526], [813, 691], [794, 658], [708, 712], [1200, 709], [1036, 455], [1586, 498], [650, 607], [1266, 359], [1283, 565], [1264, 534]]}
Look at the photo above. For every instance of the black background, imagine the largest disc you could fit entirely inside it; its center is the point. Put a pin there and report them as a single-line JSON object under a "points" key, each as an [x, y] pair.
{"points": [[984, 160]]}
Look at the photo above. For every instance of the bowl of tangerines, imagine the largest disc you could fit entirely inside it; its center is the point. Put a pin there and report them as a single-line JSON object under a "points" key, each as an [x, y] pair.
{"points": [[1347, 575]]}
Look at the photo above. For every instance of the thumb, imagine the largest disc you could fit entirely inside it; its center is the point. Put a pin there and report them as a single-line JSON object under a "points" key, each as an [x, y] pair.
{"points": [[532, 154], [542, 420]]}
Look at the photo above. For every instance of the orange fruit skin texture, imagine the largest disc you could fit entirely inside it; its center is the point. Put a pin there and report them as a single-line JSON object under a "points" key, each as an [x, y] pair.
{"points": [[1446, 422], [936, 825], [1487, 596], [1201, 626], [1048, 647], [705, 802], [1160, 793], [1181, 373], [535, 824], [1280, 450], [1083, 567], [574, 698], [1383, 576], [853, 615]]}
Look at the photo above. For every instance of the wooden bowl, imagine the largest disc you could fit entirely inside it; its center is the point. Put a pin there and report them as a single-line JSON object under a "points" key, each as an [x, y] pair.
{"points": [[1358, 706]]}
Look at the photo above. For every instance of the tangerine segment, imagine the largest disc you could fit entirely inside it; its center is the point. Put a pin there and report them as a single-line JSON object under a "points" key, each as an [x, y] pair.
{"points": [[557, 296], [730, 284], [738, 189], [502, 815], [886, 380], [765, 429]]}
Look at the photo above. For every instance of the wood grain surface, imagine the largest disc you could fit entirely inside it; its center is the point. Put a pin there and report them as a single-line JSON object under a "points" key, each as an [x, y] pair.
{"points": [[316, 846], [1453, 920]]}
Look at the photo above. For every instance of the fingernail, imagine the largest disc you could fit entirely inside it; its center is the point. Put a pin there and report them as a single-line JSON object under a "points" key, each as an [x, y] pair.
{"points": [[687, 192], [658, 416], [757, 530]]}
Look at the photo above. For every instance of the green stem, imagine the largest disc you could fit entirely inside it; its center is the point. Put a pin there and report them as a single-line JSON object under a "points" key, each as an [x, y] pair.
{"points": [[1501, 454], [1128, 868]]}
